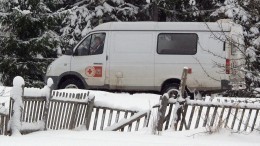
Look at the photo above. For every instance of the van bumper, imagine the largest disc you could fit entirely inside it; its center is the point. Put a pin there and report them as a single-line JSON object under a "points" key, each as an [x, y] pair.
{"points": [[225, 85], [55, 81]]}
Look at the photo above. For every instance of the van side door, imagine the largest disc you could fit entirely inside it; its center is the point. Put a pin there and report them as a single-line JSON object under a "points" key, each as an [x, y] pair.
{"points": [[132, 60], [89, 59]]}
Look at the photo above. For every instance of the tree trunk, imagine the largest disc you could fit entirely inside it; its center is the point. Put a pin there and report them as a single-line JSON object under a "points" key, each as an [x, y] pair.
{"points": [[154, 11]]}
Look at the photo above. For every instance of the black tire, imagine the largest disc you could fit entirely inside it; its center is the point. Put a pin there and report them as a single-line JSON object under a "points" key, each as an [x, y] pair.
{"points": [[77, 83], [168, 87]]}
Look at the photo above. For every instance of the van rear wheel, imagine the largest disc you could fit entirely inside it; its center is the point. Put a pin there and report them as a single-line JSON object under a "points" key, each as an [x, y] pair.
{"points": [[169, 87], [173, 93], [71, 84]]}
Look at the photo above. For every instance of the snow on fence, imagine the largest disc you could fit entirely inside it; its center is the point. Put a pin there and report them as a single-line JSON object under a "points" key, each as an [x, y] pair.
{"points": [[238, 116], [71, 110], [106, 118], [182, 113], [121, 125], [68, 111], [62, 110], [65, 111], [59, 110]]}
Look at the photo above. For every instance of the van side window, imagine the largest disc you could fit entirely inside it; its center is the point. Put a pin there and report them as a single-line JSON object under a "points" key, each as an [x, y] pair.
{"points": [[177, 43], [92, 45], [97, 43]]}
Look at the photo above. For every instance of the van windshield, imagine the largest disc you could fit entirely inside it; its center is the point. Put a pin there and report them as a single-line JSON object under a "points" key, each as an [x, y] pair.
{"points": [[83, 48]]}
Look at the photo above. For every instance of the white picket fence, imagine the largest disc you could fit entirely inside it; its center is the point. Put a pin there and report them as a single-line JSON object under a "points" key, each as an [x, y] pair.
{"points": [[63, 110]]}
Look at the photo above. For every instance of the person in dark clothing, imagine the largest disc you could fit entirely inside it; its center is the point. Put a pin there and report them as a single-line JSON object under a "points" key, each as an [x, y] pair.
{"points": [[98, 46]]}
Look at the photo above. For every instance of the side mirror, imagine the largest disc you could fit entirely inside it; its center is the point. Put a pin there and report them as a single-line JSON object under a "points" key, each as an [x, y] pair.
{"points": [[69, 52]]}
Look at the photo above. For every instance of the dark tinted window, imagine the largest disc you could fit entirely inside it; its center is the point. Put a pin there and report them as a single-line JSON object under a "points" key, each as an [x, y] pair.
{"points": [[177, 43]]}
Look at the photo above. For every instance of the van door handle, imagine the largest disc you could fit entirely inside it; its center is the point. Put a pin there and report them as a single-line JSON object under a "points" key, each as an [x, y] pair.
{"points": [[98, 63]]}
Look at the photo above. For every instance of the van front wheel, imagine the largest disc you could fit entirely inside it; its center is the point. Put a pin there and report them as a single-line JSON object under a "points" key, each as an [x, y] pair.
{"points": [[71, 84]]}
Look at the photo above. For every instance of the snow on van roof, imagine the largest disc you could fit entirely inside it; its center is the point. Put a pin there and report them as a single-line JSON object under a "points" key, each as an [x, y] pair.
{"points": [[183, 26]]}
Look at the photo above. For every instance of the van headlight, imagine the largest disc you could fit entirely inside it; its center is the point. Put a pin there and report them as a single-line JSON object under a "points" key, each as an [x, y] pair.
{"points": [[49, 68]]}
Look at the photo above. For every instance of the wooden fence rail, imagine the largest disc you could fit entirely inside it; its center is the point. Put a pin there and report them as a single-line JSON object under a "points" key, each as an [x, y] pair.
{"points": [[104, 117], [71, 110], [121, 125], [33, 109], [3, 124], [65, 111], [62, 110], [240, 117]]}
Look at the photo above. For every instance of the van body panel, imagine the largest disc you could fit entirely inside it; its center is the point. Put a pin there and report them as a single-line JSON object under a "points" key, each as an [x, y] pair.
{"points": [[89, 65], [164, 26], [236, 56], [131, 59], [207, 72], [59, 66]]}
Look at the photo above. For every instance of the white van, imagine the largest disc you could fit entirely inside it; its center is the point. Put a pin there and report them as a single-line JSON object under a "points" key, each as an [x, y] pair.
{"points": [[150, 56]]}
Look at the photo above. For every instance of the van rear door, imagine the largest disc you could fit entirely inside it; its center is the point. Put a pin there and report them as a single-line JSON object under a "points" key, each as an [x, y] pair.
{"points": [[237, 56], [89, 59]]}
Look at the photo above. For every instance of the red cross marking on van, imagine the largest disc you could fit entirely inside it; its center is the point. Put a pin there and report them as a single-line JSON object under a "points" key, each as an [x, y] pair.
{"points": [[89, 71]]}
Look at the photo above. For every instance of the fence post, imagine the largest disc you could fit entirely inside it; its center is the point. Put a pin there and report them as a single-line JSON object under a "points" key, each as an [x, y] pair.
{"points": [[6, 125], [178, 109], [183, 81], [17, 92], [48, 91], [161, 112], [73, 117], [89, 112]]}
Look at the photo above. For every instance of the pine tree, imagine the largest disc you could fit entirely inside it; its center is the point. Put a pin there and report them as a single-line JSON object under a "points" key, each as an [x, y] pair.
{"points": [[184, 10], [82, 16], [34, 28], [29, 42], [247, 14]]}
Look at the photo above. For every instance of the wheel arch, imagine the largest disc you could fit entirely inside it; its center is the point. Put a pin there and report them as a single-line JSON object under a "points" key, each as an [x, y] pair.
{"points": [[178, 81], [170, 81], [71, 74]]}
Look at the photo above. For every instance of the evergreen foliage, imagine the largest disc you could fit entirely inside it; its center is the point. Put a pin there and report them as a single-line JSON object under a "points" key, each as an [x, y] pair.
{"points": [[28, 42], [247, 14], [187, 10], [83, 16], [34, 31]]}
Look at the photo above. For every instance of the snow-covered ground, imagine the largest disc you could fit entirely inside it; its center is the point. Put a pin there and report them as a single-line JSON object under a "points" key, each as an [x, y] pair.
{"points": [[106, 138], [140, 101], [197, 137]]}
